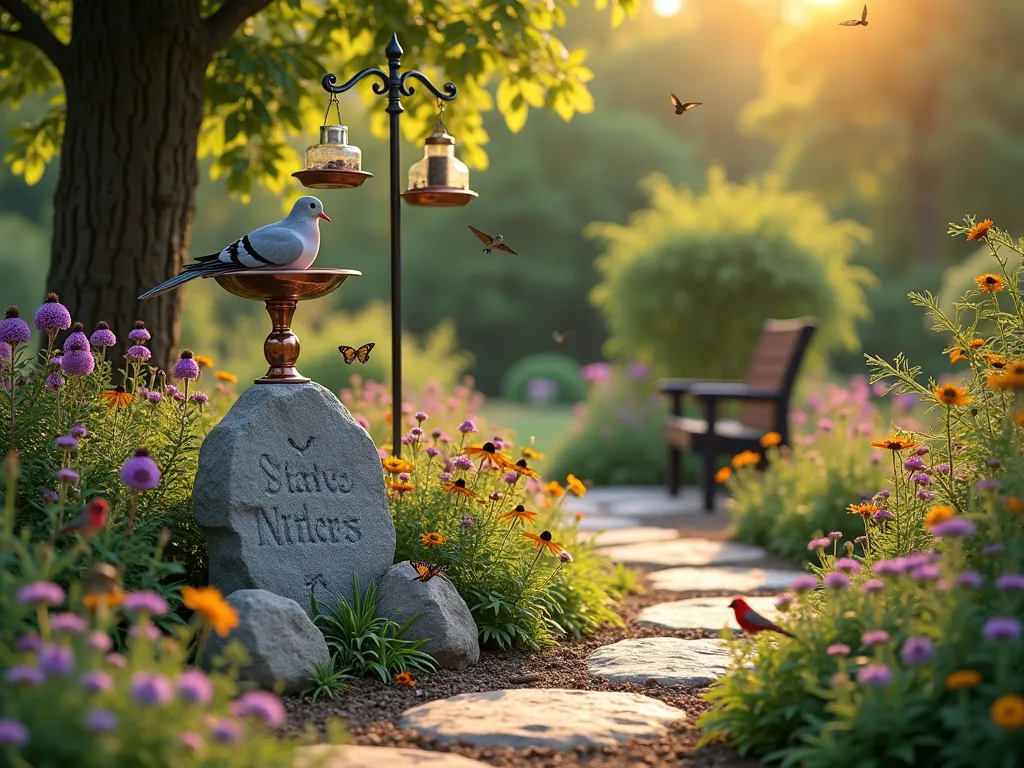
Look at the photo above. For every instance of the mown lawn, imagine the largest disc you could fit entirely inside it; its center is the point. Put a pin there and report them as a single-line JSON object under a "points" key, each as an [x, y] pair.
{"points": [[548, 425]]}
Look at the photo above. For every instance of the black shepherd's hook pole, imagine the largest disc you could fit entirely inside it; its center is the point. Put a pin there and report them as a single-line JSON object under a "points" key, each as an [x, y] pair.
{"points": [[394, 84]]}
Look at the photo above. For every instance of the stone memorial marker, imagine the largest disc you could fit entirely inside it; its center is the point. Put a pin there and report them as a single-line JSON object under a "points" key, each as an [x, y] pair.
{"points": [[290, 496]]}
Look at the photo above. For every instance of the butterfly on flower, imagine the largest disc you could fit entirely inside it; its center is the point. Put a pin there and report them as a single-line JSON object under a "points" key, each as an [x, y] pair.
{"points": [[426, 571], [351, 354]]}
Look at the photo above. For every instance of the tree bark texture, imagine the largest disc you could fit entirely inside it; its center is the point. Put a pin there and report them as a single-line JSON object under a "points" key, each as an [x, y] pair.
{"points": [[125, 197]]}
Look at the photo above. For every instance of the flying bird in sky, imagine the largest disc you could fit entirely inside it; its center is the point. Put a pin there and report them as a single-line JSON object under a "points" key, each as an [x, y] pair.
{"points": [[861, 22], [753, 622], [498, 242], [292, 242], [682, 106]]}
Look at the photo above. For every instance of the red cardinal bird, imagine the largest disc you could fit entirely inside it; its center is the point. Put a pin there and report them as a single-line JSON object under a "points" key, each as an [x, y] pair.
{"points": [[753, 622], [91, 521]]}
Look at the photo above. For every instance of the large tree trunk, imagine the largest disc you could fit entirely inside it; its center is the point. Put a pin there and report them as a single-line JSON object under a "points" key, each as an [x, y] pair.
{"points": [[125, 197]]}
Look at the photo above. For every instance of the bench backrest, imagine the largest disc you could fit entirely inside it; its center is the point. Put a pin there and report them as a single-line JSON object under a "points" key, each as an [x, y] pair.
{"points": [[776, 361]]}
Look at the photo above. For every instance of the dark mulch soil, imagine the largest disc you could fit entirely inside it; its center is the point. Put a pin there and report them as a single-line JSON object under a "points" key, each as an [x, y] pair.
{"points": [[371, 708]]}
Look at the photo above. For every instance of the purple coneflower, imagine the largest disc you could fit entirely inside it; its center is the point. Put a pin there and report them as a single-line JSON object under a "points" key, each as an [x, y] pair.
{"points": [[847, 565], [56, 660], [1002, 628], [145, 601], [100, 641], [1010, 582], [12, 733], [467, 426], [835, 535], [804, 583], [987, 484], [917, 650], [67, 443], [914, 463], [875, 637], [873, 585], [969, 580], [953, 528], [262, 705], [41, 593], [874, 676], [837, 581], [23, 674], [926, 572], [882, 514], [150, 689], [186, 368], [79, 431], [139, 333], [195, 687], [821, 543], [67, 476], [102, 337], [97, 681], [421, 417], [431, 451], [199, 398], [838, 649], [140, 472], [226, 731], [68, 622], [100, 720]]}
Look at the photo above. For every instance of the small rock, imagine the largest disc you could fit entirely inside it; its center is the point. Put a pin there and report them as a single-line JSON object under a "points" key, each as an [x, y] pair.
{"points": [[444, 618], [669, 661], [533, 677], [282, 643], [706, 613]]}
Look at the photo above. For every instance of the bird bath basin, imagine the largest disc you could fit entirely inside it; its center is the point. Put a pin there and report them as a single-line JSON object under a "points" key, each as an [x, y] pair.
{"points": [[281, 290]]}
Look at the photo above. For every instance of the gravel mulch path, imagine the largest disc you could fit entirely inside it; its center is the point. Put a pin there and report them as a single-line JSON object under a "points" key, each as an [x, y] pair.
{"points": [[371, 708]]}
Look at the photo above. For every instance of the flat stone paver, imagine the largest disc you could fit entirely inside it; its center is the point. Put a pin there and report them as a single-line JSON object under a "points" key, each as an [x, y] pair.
{"points": [[354, 756], [736, 579], [642, 500], [604, 522], [630, 535], [669, 660], [707, 613], [684, 552], [543, 717]]}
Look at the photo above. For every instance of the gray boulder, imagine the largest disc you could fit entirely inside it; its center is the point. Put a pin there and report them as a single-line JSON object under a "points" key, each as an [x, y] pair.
{"points": [[290, 496], [283, 645], [444, 618]]}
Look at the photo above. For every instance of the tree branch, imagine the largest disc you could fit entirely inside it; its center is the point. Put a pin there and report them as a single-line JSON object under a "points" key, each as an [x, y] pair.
{"points": [[222, 24], [34, 30]]}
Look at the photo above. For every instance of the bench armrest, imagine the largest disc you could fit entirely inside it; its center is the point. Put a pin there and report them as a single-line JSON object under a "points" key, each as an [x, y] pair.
{"points": [[732, 391]]}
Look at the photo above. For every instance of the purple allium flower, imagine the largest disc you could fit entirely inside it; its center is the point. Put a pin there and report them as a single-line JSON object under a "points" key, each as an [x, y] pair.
{"points": [[804, 583], [41, 593], [847, 565], [431, 451], [955, 527], [914, 463], [510, 477], [565, 557], [821, 543], [444, 438], [969, 580], [138, 354], [226, 731], [54, 381], [140, 472], [468, 521], [838, 649], [873, 585], [835, 535], [837, 581], [67, 476], [199, 398], [882, 514], [97, 681], [5, 354], [195, 687], [23, 674], [926, 572], [917, 650], [30, 641], [145, 601], [462, 462], [102, 336], [992, 549], [406, 440], [52, 315], [1010, 581], [883, 494], [921, 479], [421, 416], [154, 397], [67, 443], [100, 720], [874, 675], [191, 741], [924, 495], [151, 689], [76, 340], [1002, 628], [994, 463], [922, 450], [987, 484], [875, 637], [50, 497], [942, 469], [467, 426], [445, 477], [262, 705], [100, 641], [170, 390], [55, 360], [12, 733], [416, 433], [436, 434], [783, 601], [186, 367], [139, 332], [56, 660], [14, 330], [71, 623], [79, 431]]}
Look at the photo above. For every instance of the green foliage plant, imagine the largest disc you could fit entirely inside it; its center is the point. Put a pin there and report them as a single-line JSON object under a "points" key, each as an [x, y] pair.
{"points": [[67, 698], [327, 680], [461, 496], [909, 641], [365, 643], [562, 370], [687, 284]]}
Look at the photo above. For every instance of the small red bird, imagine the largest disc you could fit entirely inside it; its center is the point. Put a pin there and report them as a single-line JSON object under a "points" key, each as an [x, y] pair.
{"points": [[91, 521], [753, 622]]}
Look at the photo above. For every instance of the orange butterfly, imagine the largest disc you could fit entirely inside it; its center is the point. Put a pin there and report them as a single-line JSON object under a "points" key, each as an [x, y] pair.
{"points": [[351, 354], [426, 571], [682, 106]]}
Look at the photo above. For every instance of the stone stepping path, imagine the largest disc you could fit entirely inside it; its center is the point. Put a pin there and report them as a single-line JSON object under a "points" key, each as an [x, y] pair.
{"points": [[670, 661], [684, 552], [603, 522], [543, 717], [353, 756], [706, 613], [736, 579], [630, 536]]}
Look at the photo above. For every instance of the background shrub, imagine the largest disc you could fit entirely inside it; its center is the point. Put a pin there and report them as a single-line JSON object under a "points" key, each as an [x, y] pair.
{"points": [[562, 370]]}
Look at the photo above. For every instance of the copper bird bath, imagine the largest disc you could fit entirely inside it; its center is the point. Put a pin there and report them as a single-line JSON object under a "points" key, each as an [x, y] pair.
{"points": [[281, 290]]}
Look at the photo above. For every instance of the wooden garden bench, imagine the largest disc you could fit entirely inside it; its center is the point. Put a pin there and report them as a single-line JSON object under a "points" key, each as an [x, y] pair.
{"points": [[765, 396]]}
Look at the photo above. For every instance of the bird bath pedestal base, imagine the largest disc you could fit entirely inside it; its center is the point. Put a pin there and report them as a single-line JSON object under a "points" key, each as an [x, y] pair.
{"points": [[281, 290]]}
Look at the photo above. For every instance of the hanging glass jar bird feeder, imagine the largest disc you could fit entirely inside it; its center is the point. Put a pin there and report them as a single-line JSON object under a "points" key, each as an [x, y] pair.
{"points": [[333, 163], [440, 179]]}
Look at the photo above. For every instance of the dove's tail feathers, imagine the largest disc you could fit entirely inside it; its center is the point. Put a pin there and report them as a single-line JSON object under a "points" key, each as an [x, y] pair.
{"points": [[202, 263], [168, 285]]}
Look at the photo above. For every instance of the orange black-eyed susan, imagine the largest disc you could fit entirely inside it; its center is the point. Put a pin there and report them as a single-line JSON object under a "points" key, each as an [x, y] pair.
{"points": [[203, 361], [576, 486], [980, 230], [745, 459], [864, 510], [226, 377], [996, 361], [117, 397], [395, 465], [956, 355], [977, 343], [989, 283], [520, 468], [520, 514], [894, 444], [723, 474], [459, 486], [770, 439], [401, 487], [529, 453], [552, 488], [938, 514], [543, 541], [405, 679], [432, 539], [1011, 377], [950, 394], [490, 452]]}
